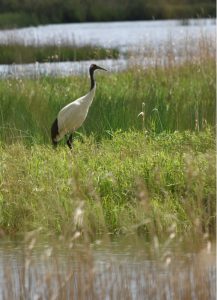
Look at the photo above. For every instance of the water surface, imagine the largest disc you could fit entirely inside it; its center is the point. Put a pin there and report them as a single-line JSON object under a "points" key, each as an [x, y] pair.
{"points": [[110, 34], [130, 269], [126, 36]]}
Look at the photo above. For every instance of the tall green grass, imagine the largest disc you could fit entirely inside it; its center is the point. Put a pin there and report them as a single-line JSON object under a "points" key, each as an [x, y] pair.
{"points": [[135, 182], [179, 97]]}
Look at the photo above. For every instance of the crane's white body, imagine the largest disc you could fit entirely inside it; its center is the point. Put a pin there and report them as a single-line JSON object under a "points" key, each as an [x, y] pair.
{"points": [[72, 116]]}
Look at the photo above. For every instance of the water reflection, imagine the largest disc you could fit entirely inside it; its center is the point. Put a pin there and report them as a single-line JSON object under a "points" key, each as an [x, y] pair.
{"points": [[116, 270]]}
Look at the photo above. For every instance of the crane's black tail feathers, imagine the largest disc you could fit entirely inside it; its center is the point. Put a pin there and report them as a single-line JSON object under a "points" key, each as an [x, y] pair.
{"points": [[54, 132]]}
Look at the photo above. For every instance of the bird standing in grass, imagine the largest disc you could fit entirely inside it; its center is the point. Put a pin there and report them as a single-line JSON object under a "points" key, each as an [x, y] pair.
{"points": [[72, 116]]}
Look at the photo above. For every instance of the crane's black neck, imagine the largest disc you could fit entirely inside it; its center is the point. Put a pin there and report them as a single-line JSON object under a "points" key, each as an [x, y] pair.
{"points": [[92, 80]]}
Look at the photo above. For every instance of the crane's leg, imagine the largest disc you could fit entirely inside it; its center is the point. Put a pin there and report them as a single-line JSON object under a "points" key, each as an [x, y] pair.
{"points": [[54, 143], [69, 141], [54, 132]]}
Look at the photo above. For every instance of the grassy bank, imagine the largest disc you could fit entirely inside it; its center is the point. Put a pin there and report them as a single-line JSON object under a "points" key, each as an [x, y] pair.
{"points": [[20, 54], [135, 182]]}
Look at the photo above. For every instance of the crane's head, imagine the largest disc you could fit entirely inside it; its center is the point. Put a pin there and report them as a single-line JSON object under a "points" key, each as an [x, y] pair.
{"points": [[94, 67]]}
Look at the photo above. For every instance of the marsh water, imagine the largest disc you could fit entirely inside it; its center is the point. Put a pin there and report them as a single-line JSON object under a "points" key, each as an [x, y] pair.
{"points": [[123, 269], [126, 36], [120, 269]]}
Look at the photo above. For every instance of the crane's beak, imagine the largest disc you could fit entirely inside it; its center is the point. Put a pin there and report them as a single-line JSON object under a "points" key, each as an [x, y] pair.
{"points": [[101, 68]]}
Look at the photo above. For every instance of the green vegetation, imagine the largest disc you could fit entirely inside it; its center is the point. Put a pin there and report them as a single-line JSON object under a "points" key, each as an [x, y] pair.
{"points": [[175, 98], [127, 173], [135, 182], [17, 53], [16, 13]]}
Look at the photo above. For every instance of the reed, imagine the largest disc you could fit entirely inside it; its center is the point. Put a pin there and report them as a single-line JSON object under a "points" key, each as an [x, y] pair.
{"points": [[73, 272]]}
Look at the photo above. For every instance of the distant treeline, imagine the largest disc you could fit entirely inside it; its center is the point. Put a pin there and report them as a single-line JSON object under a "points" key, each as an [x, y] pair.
{"points": [[17, 13]]}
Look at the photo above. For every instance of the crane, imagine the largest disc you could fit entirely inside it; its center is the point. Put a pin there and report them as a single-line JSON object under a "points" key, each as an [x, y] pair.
{"points": [[72, 116]]}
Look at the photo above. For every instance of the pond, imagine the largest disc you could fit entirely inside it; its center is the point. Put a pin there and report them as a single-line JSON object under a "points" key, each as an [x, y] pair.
{"points": [[126, 36], [110, 34], [123, 269]]}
